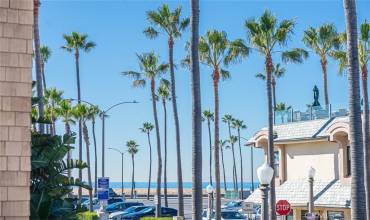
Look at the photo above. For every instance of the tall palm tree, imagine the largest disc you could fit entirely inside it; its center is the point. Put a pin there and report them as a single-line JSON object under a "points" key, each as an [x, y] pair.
{"points": [[209, 116], [36, 36], [358, 201], [52, 99], [170, 23], [238, 125], [197, 208], [164, 94], [322, 41], [147, 128], [81, 113], [76, 42], [45, 53], [64, 111], [228, 119], [150, 71], [364, 59], [269, 37], [277, 72], [217, 52], [94, 111], [223, 145], [132, 148], [282, 108]]}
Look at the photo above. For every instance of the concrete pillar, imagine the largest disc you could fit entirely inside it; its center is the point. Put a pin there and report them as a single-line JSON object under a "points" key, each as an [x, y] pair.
{"points": [[16, 20]]}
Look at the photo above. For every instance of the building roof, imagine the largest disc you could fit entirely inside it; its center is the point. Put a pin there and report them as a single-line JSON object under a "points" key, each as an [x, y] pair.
{"points": [[303, 129], [326, 193]]}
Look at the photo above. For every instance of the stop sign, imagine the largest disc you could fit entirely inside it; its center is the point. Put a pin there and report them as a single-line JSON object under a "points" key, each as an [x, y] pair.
{"points": [[283, 207]]}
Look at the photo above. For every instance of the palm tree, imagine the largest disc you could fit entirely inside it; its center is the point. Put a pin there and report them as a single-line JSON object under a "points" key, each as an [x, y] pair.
{"points": [[364, 59], [228, 119], [81, 113], [196, 112], [217, 51], [36, 35], [52, 99], [223, 144], [322, 41], [64, 111], [209, 116], [282, 108], [170, 23], [277, 72], [358, 201], [164, 94], [151, 69], [75, 43], [45, 53], [132, 148], [94, 111], [269, 37], [238, 125], [147, 128]]}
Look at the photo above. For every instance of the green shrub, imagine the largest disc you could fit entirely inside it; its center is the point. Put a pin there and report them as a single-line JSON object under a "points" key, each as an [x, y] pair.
{"points": [[87, 216]]}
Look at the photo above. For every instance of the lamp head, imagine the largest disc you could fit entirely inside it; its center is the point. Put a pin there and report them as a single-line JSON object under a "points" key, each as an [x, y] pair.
{"points": [[265, 174], [209, 189], [311, 172]]}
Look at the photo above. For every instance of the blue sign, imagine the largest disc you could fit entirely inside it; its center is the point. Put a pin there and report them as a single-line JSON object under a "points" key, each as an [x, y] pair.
{"points": [[103, 188]]}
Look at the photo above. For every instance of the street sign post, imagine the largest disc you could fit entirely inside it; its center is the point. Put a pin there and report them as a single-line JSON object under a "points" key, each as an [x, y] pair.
{"points": [[248, 207], [283, 207]]}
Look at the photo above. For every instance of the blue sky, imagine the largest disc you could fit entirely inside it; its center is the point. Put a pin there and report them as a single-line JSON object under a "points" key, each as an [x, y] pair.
{"points": [[116, 27]]}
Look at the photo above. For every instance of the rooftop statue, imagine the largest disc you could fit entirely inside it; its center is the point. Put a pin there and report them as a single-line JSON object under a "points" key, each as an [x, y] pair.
{"points": [[316, 94]]}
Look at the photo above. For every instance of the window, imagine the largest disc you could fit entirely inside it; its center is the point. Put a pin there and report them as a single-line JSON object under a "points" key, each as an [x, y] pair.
{"points": [[335, 215], [276, 163], [348, 161]]}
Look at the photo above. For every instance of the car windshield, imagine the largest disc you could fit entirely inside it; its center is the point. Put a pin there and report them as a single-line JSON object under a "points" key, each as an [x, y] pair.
{"points": [[232, 204], [113, 206], [135, 209], [232, 215]]}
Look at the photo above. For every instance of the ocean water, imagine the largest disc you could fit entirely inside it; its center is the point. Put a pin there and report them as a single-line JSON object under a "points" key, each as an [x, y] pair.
{"points": [[173, 185]]}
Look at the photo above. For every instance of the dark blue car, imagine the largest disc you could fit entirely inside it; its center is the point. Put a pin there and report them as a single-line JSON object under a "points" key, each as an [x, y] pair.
{"points": [[121, 206], [150, 211]]}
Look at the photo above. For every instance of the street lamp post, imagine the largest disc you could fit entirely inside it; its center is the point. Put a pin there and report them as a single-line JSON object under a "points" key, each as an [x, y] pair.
{"points": [[311, 175], [251, 146], [103, 115], [265, 174], [210, 201], [122, 153]]}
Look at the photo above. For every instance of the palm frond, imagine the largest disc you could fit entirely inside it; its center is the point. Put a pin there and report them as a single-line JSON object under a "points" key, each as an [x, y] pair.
{"points": [[296, 55], [225, 74], [150, 33]]}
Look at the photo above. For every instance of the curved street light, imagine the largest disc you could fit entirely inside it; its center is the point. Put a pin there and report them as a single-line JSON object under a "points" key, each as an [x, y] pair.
{"points": [[252, 178], [102, 116], [122, 153]]}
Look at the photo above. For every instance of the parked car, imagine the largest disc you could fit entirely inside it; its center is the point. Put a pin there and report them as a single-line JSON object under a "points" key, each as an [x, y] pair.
{"points": [[233, 205], [119, 215], [95, 203], [150, 211], [225, 215], [115, 200], [121, 206]]}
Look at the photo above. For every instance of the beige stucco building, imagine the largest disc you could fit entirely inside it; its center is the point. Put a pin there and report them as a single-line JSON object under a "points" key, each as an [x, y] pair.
{"points": [[322, 144], [16, 21]]}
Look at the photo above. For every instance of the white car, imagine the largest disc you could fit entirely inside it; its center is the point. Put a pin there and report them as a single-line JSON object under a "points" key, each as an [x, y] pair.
{"points": [[225, 215]]}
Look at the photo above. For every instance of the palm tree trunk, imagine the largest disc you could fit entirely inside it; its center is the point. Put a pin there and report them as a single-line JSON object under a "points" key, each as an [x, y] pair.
{"points": [[150, 167], [241, 165], [95, 157], [366, 141], [133, 176], [235, 175], [273, 83], [67, 130], [165, 153], [43, 76], [36, 36], [87, 142], [159, 154], [252, 170], [216, 78], [358, 201], [223, 168], [325, 80], [270, 147], [177, 129], [196, 114], [210, 151], [79, 121]]}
